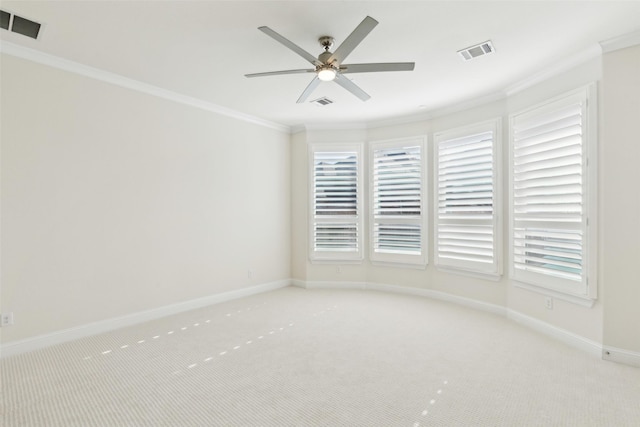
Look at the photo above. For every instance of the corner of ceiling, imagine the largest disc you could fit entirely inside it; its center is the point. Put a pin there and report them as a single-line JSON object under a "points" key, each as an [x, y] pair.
{"points": [[566, 64], [620, 42], [37, 56]]}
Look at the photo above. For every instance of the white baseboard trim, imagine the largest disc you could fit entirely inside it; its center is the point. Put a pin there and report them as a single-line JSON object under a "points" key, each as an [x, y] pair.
{"points": [[592, 347], [329, 285], [559, 334], [596, 349], [442, 296], [59, 337], [298, 283], [621, 356]]}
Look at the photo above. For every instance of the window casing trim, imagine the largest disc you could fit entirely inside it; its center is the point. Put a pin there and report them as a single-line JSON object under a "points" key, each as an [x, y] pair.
{"points": [[399, 259], [336, 257], [585, 291], [469, 267]]}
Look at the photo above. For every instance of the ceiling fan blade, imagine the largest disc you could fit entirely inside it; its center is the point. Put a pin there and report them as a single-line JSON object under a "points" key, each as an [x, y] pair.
{"points": [[291, 45], [351, 87], [277, 73], [314, 84], [353, 40], [369, 68]]}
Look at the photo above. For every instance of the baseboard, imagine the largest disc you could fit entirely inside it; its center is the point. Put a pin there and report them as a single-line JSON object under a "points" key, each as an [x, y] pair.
{"points": [[59, 337], [329, 285], [298, 283], [559, 334], [441, 296], [569, 338], [577, 341], [621, 356]]}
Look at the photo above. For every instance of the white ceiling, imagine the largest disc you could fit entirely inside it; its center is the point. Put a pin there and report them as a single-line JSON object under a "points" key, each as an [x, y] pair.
{"points": [[202, 49]]}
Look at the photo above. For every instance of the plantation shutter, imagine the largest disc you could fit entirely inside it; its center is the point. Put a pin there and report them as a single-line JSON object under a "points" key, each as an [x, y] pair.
{"points": [[466, 221], [548, 174], [335, 205], [397, 186]]}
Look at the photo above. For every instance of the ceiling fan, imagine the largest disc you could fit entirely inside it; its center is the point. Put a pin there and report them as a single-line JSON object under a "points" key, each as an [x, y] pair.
{"points": [[329, 65]]}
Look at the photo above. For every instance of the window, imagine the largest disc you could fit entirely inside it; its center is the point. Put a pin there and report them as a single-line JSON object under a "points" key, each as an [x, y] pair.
{"points": [[397, 225], [466, 220], [336, 203], [550, 179]]}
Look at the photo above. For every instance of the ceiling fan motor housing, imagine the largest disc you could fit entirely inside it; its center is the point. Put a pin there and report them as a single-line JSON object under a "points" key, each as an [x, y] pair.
{"points": [[324, 58], [326, 42], [328, 65]]}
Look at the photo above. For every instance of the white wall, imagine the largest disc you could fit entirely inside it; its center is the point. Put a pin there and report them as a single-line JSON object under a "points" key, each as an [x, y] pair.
{"points": [[568, 318], [115, 202], [299, 205], [582, 321], [620, 198]]}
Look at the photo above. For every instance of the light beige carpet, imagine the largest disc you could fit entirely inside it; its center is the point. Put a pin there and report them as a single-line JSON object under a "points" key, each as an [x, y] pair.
{"points": [[296, 357]]}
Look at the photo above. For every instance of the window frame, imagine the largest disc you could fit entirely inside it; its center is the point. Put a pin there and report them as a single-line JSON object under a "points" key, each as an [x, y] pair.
{"points": [[406, 260], [583, 292], [337, 257], [491, 271]]}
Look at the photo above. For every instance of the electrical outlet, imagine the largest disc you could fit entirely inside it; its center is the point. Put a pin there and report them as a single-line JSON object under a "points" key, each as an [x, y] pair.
{"points": [[7, 319], [548, 303], [249, 274]]}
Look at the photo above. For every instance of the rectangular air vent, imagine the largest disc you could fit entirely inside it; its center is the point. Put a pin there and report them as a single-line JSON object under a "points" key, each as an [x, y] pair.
{"points": [[481, 49], [322, 101], [5, 18], [20, 25]]}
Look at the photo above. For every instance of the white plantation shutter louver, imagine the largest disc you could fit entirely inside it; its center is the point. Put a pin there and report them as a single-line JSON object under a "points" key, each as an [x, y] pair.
{"points": [[336, 230], [466, 216], [548, 195], [397, 220]]}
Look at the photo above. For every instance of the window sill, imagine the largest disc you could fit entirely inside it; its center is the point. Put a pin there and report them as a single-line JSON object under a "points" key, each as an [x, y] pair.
{"points": [[335, 261], [580, 300], [396, 264], [494, 277]]}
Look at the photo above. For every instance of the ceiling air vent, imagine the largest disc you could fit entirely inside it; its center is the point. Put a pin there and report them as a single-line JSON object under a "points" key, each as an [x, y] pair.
{"points": [[322, 101], [481, 49], [5, 18], [20, 25]]}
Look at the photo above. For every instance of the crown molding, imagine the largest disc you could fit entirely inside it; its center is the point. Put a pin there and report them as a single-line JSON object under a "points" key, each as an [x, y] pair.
{"points": [[406, 119], [567, 64], [116, 79], [440, 112], [621, 42], [559, 67], [39, 57], [335, 126]]}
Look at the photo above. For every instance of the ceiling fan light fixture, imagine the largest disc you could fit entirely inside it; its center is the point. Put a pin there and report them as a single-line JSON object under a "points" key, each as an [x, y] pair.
{"points": [[329, 66], [327, 74]]}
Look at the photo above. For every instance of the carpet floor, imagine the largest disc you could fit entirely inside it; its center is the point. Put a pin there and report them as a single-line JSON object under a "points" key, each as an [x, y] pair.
{"points": [[296, 357]]}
